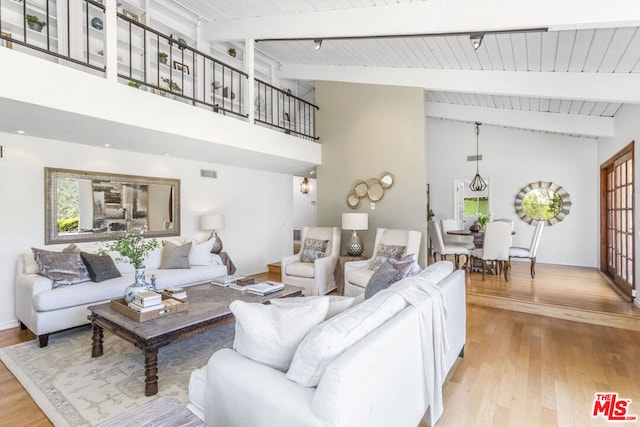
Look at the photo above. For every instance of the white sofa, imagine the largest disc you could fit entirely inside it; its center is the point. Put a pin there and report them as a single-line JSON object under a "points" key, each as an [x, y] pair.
{"points": [[45, 310], [377, 381]]}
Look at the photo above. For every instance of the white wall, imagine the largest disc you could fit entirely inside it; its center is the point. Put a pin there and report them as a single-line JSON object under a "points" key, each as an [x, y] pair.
{"points": [[256, 204], [367, 130], [512, 159], [305, 212]]}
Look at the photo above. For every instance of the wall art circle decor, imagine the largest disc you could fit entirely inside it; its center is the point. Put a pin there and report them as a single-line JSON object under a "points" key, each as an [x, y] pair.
{"points": [[371, 188]]}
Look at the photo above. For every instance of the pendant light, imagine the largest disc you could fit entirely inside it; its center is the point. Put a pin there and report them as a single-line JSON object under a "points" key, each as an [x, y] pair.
{"points": [[305, 186], [477, 183]]}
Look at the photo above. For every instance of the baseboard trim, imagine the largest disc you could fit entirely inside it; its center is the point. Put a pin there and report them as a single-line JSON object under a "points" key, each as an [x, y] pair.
{"points": [[556, 311], [9, 325]]}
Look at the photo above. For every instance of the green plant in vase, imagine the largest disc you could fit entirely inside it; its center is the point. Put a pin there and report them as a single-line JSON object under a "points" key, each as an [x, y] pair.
{"points": [[35, 23], [133, 249], [173, 86], [483, 219], [162, 57], [135, 84]]}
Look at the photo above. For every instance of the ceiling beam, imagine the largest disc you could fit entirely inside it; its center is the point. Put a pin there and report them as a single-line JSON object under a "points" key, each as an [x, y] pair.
{"points": [[597, 87], [573, 124], [432, 17]]}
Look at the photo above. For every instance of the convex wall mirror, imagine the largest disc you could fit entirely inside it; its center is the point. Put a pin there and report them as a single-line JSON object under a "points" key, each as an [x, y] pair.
{"points": [[542, 201], [83, 206]]}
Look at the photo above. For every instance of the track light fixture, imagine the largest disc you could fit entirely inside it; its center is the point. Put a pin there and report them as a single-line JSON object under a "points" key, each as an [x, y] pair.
{"points": [[476, 39], [317, 43]]}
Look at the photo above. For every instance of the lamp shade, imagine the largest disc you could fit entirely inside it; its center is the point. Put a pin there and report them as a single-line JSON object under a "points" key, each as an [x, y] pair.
{"points": [[355, 221], [212, 222]]}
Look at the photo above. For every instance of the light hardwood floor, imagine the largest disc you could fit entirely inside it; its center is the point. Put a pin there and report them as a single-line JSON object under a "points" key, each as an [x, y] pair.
{"points": [[519, 369]]}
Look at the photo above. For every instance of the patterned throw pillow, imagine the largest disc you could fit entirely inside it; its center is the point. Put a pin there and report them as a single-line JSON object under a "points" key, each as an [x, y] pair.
{"points": [[63, 268], [387, 252], [313, 249]]}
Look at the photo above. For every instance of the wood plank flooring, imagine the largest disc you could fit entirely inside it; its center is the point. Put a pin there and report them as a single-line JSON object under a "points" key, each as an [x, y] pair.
{"points": [[519, 369]]}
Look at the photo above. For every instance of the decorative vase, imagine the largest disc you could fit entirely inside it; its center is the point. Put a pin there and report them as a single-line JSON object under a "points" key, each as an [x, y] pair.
{"points": [[475, 227], [354, 245], [139, 285]]}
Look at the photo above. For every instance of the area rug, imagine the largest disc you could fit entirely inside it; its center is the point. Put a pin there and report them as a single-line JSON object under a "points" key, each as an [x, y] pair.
{"points": [[74, 389]]}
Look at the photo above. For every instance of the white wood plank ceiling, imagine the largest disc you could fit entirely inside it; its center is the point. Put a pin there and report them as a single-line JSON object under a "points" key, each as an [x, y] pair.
{"points": [[599, 51]]}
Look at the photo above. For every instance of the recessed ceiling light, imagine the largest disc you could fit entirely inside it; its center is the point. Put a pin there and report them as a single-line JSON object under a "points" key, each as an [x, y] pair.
{"points": [[107, 145], [21, 132], [165, 154]]}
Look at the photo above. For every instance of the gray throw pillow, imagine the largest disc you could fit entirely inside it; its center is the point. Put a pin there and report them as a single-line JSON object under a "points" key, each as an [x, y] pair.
{"points": [[386, 252], [63, 268], [313, 249], [380, 280], [175, 256], [405, 267], [100, 267]]}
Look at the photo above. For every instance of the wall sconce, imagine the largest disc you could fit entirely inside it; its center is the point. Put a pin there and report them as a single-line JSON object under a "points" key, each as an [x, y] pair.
{"points": [[212, 223], [305, 186], [317, 43], [476, 39]]}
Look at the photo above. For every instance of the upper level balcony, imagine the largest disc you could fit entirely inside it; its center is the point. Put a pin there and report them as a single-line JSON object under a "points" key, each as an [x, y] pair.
{"points": [[80, 64]]}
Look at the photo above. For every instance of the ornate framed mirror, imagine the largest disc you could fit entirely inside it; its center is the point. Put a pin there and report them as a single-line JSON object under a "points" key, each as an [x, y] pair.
{"points": [[542, 201], [83, 206]]}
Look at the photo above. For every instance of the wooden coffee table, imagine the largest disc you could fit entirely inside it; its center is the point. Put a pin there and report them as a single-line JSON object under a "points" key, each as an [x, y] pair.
{"points": [[208, 308]]}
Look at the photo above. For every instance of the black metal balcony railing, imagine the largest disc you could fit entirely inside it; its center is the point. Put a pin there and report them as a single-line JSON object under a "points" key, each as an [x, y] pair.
{"points": [[72, 33], [170, 67], [279, 109]]}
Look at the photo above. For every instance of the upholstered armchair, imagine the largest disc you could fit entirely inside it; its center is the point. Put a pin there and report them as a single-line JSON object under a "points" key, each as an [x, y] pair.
{"points": [[315, 277], [358, 273]]}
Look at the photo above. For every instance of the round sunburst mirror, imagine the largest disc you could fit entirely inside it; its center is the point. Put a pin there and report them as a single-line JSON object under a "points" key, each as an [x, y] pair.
{"points": [[542, 201]]}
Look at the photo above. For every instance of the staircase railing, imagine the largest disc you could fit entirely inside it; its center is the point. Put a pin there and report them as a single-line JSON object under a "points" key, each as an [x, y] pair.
{"points": [[72, 32]]}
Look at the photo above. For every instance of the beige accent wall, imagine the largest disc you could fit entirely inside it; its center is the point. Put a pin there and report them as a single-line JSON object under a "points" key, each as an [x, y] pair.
{"points": [[366, 130]]}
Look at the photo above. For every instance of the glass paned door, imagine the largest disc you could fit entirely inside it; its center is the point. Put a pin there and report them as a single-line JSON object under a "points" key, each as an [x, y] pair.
{"points": [[617, 200]]}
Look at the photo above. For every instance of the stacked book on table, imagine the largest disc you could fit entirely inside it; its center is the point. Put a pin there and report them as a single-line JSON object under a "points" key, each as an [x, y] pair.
{"points": [[226, 281], [143, 302], [265, 288], [176, 292]]}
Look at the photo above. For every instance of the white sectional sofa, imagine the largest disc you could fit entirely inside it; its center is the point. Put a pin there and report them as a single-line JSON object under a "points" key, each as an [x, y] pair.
{"points": [[45, 310], [382, 379]]}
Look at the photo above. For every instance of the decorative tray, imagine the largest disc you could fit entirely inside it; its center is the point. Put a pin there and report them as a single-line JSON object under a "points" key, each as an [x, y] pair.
{"points": [[171, 306]]}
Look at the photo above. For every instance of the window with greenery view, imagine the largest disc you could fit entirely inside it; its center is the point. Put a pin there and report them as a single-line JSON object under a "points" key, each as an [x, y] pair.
{"points": [[475, 205]]}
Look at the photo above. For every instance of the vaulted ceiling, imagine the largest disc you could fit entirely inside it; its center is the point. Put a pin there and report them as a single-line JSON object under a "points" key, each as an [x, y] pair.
{"points": [[555, 66]]}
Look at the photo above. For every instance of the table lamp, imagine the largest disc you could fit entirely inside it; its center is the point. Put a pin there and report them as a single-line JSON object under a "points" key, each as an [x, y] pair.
{"points": [[355, 221], [213, 223]]}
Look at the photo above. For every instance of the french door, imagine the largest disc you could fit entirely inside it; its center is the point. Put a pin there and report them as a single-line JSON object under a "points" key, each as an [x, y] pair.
{"points": [[616, 222]]}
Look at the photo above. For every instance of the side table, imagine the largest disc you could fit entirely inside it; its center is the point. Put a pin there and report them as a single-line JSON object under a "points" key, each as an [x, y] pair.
{"points": [[339, 271]]}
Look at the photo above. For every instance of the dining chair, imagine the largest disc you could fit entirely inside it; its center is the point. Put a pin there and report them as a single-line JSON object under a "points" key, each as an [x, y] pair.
{"points": [[531, 251], [453, 224], [439, 247], [497, 240]]}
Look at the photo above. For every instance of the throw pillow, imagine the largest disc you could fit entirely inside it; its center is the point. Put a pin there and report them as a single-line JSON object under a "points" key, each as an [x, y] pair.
{"points": [[405, 267], [63, 268], [330, 339], [313, 249], [337, 304], [100, 267], [175, 256], [269, 334], [380, 279], [386, 252], [201, 253]]}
